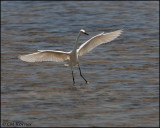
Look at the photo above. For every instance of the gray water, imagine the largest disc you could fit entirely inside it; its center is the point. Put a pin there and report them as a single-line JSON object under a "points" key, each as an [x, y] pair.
{"points": [[123, 74]]}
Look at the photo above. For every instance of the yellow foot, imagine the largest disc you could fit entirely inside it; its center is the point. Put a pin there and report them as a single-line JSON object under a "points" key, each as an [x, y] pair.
{"points": [[87, 82]]}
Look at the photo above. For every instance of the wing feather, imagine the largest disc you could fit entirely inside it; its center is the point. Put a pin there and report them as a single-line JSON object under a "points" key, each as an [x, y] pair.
{"points": [[46, 55], [97, 40]]}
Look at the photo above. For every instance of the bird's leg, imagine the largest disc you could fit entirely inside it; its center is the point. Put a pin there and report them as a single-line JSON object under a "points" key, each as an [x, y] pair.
{"points": [[72, 73], [73, 78], [81, 74]]}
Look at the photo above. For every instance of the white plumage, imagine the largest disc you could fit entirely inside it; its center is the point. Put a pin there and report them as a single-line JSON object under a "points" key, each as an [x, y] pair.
{"points": [[72, 56], [46, 55], [97, 40]]}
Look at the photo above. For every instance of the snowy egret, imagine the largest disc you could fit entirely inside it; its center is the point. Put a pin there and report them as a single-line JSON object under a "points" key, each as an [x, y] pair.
{"points": [[72, 56]]}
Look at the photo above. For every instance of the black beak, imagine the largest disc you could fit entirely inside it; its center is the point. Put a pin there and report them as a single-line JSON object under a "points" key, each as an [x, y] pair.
{"points": [[86, 33]]}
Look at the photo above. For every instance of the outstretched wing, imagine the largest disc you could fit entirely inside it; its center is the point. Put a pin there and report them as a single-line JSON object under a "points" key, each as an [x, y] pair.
{"points": [[46, 55], [97, 40]]}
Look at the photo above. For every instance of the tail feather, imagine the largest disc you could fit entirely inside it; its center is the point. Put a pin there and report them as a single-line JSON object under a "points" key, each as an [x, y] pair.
{"points": [[66, 64]]}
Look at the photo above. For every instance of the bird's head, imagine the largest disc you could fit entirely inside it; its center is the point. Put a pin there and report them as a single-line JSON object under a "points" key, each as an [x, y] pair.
{"points": [[84, 32]]}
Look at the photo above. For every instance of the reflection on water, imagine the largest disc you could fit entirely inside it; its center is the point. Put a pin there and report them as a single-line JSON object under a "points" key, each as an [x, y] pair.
{"points": [[123, 74]]}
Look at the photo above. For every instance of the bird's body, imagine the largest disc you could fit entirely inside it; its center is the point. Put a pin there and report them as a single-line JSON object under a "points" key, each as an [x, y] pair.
{"points": [[72, 56]]}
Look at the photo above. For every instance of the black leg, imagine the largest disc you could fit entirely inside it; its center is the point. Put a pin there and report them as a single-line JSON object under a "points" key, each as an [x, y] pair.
{"points": [[72, 73], [81, 74], [73, 78]]}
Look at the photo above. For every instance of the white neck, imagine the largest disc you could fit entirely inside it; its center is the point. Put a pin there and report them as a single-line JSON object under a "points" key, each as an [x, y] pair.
{"points": [[75, 46]]}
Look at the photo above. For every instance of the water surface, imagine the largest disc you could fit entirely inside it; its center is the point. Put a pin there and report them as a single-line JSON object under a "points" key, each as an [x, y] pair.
{"points": [[123, 74]]}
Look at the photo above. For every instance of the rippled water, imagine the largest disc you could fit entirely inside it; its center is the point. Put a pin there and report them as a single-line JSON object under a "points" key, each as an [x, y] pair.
{"points": [[123, 74]]}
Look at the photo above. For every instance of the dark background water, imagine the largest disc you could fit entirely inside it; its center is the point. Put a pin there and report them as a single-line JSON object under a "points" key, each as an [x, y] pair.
{"points": [[123, 74]]}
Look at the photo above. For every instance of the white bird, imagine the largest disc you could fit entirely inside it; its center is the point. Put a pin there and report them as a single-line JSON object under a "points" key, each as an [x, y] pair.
{"points": [[72, 56]]}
